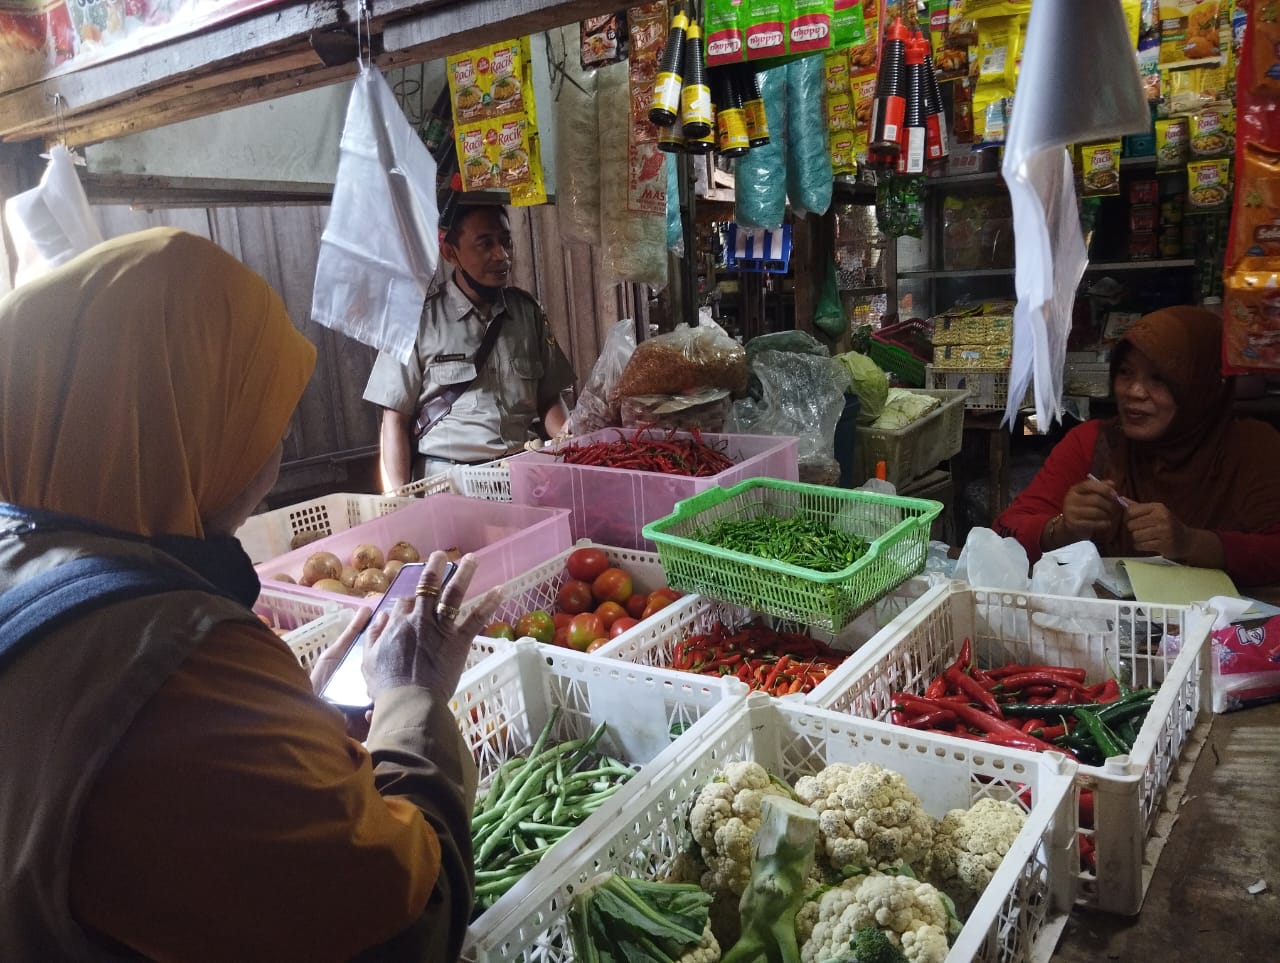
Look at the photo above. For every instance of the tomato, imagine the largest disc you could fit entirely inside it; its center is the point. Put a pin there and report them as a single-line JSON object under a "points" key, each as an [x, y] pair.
{"points": [[610, 612], [574, 597], [656, 603], [499, 630], [585, 629], [612, 585], [666, 593], [537, 625], [636, 604], [621, 625], [561, 638], [561, 619], [598, 643], [586, 564]]}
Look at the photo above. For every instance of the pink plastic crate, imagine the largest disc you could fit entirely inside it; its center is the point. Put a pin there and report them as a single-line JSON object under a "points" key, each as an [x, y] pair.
{"points": [[506, 539], [612, 505]]}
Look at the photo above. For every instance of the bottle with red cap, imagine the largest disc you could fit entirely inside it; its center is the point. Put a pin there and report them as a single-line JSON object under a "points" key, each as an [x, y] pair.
{"points": [[888, 110], [911, 155]]}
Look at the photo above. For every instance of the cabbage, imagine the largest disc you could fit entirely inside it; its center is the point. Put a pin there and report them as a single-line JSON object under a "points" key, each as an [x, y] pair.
{"points": [[870, 384], [904, 407]]}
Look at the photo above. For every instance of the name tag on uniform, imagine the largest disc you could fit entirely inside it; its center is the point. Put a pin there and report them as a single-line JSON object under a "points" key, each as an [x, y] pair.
{"points": [[451, 357]]}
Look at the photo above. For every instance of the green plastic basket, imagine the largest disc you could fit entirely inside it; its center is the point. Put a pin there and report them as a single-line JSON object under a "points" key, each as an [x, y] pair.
{"points": [[897, 529]]}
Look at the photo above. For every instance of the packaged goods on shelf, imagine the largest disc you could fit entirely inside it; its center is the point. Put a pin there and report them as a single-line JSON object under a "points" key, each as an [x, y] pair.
{"points": [[1135, 796], [972, 355]]}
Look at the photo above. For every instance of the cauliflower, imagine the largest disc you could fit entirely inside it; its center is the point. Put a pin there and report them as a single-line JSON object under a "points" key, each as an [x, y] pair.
{"points": [[912, 913], [708, 951], [968, 848], [724, 820], [868, 817]]}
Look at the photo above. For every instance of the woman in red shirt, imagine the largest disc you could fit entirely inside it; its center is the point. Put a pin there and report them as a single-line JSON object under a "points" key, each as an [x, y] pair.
{"points": [[1174, 473]]}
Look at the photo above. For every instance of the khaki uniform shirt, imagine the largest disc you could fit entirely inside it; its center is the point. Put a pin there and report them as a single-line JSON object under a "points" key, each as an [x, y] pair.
{"points": [[525, 373]]}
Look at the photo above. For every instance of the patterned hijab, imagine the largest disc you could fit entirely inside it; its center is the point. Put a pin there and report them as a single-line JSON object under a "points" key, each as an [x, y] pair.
{"points": [[145, 383], [1211, 469]]}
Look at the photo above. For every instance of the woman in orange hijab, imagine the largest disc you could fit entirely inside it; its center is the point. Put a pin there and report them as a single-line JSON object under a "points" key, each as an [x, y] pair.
{"points": [[1175, 473], [173, 788]]}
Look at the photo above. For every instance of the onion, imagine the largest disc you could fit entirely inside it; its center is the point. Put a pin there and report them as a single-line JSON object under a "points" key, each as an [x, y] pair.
{"points": [[331, 585], [404, 552], [348, 577], [367, 556], [321, 565], [392, 568], [371, 580]]}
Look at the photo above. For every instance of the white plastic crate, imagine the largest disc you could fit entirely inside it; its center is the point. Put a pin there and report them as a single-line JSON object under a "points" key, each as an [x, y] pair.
{"points": [[537, 588], [309, 641], [652, 717], [286, 611], [916, 449], [988, 387], [491, 481], [1018, 918], [653, 641], [1135, 796], [271, 534]]}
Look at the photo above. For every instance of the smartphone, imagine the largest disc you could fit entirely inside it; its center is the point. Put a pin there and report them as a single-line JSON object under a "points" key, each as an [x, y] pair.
{"points": [[346, 687]]}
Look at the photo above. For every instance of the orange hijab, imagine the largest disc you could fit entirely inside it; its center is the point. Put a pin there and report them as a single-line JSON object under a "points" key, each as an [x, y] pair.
{"points": [[144, 383], [1211, 469]]}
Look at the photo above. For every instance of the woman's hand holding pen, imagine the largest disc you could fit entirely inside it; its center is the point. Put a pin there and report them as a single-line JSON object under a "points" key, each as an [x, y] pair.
{"points": [[1091, 509]]}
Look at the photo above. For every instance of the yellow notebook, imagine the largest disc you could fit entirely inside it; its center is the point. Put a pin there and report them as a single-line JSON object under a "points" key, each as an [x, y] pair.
{"points": [[1159, 581]]}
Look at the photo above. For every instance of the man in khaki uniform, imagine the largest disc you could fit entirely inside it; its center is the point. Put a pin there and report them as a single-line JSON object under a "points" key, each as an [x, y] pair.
{"points": [[494, 406]]}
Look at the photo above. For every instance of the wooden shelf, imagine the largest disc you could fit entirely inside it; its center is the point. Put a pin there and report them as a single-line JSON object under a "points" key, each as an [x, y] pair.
{"points": [[1151, 264]]}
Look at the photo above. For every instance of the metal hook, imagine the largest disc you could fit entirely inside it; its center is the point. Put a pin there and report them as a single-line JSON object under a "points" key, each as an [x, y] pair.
{"points": [[365, 49]]}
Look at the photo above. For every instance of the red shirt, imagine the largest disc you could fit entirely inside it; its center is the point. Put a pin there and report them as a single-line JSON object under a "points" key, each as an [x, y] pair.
{"points": [[1252, 558]]}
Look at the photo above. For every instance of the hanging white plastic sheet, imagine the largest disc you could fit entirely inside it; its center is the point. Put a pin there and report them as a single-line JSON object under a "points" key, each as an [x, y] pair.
{"points": [[51, 223], [1079, 83], [380, 246]]}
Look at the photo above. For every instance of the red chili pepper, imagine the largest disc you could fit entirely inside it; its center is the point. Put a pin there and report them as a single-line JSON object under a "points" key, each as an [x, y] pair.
{"points": [[937, 688], [778, 667], [1040, 691], [1086, 808], [1013, 683], [1032, 724], [1017, 668], [916, 705], [1104, 692], [938, 719], [1049, 732], [998, 731], [1088, 856], [965, 657], [983, 679], [970, 687], [1064, 696]]}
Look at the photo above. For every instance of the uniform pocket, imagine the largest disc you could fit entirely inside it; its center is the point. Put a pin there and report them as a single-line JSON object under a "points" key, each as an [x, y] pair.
{"points": [[442, 373]]}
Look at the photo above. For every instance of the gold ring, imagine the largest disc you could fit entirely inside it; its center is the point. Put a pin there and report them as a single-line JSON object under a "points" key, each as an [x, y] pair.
{"points": [[426, 591], [448, 611]]}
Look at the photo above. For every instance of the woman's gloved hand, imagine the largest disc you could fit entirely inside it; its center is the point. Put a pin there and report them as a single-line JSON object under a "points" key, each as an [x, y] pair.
{"points": [[423, 642]]}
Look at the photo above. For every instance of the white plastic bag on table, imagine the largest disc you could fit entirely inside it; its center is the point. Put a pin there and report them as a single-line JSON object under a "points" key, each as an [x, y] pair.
{"points": [[380, 246], [51, 223], [597, 404], [577, 147], [808, 153], [1070, 570], [989, 561], [760, 175], [632, 176]]}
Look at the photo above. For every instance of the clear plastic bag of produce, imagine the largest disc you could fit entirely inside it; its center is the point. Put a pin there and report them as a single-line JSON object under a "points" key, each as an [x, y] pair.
{"points": [[597, 404], [808, 154], [686, 359], [802, 396], [760, 179], [577, 145], [380, 246], [704, 408]]}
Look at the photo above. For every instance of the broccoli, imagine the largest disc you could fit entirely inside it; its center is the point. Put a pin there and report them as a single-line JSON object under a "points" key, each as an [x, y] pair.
{"points": [[871, 945]]}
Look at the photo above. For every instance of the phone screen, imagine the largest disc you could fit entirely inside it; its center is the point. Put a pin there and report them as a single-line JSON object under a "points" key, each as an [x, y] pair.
{"points": [[346, 687]]}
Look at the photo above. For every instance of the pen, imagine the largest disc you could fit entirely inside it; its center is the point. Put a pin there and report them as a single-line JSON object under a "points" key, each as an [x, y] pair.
{"points": [[1124, 502]]}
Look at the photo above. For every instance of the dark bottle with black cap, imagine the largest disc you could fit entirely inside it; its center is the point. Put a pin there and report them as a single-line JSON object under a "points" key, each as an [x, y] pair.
{"points": [[664, 110], [731, 122], [695, 100], [911, 156], [753, 106]]}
